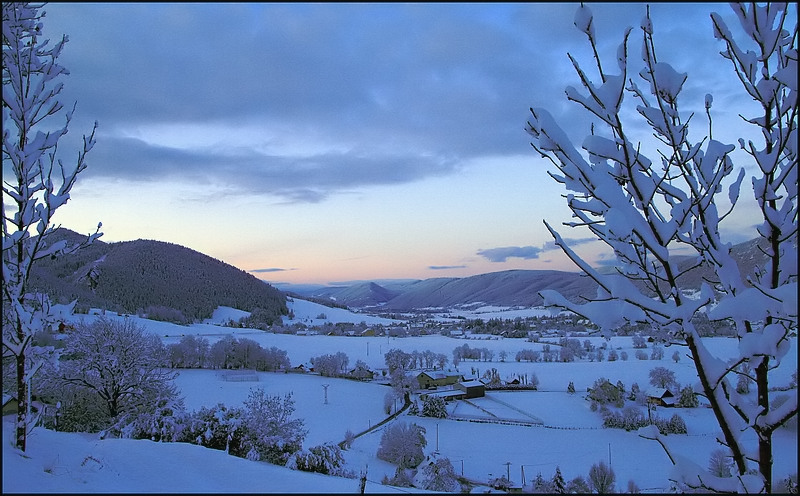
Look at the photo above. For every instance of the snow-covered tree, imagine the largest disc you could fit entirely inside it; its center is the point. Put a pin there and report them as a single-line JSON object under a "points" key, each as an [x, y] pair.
{"points": [[540, 485], [119, 361], [602, 478], [433, 406], [557, 484], [440, 476], [270, 431], [688, 398], [402, 444], [578, 485], [36, 183], [719, 463], [645, 210], [662, 377]]}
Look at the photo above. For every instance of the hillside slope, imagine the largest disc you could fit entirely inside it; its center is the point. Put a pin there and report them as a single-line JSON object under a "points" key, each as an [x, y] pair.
{"points": [[505, 288], [134, 276]]}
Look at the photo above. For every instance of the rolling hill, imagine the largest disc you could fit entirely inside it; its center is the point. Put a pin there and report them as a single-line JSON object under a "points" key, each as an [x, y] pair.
{"points": [[510, 288], [152, 276]]}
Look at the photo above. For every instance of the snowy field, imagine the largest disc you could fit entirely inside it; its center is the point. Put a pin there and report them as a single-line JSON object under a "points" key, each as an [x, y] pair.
{"points": [[570, 435]]}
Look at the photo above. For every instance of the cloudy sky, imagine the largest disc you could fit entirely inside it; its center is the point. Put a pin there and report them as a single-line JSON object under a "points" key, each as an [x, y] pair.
{"points": [[330, 142]]}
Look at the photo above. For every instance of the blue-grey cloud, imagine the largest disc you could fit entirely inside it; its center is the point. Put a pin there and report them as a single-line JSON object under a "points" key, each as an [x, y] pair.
{"points": [[270, 269], [446, 267], [502, 254], [572, 242], [506, 252], [408, 90]]}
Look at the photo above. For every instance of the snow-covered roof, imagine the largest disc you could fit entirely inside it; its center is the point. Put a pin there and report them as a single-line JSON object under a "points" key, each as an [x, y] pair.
{"points": [[473, 383], [659, 392]]}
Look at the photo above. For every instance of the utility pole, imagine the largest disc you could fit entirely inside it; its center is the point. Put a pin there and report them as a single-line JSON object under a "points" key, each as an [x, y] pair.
{"points": [[508, 470]]}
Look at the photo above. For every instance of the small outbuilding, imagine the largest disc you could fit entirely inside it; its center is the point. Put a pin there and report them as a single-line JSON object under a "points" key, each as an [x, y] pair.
{"points": [[472, 389]]}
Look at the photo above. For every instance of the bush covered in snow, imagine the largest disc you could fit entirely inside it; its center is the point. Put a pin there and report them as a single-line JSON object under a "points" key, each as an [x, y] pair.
{"points": [[402, 444], [433, 406], [440, 476], [324, 459]]}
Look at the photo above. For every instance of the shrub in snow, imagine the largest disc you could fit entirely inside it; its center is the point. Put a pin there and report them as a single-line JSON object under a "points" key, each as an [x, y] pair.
{"points": [[401, 478], [624, 356], [414, 408], [433, 406], [675, 425], [639, 342], [633, 488], [571, 387], [640, 355], [602, 478], [82, 410], [165, 423], [217, 427], [402, 444], [613, 355], [688, 398], [270, 432], [440, 476], [324, 459]]}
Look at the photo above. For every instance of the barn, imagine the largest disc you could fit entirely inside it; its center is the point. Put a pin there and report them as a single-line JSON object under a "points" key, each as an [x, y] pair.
{"points": [[472, 389]]}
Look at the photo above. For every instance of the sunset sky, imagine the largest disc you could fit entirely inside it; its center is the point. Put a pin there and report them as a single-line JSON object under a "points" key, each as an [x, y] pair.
{"points": [[317, 143]]}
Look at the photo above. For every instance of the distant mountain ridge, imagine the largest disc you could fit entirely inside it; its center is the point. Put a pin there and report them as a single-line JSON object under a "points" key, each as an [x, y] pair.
{"points": [[510, 288], [133, 276]]}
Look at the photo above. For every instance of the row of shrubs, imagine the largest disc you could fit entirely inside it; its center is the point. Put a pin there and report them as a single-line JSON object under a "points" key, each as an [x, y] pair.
{"points": [[262, 431], [632, 418]]}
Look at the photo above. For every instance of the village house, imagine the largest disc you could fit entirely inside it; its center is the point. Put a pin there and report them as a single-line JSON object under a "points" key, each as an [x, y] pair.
{"points": [[361, 373], [661, 397], [436, 378]]}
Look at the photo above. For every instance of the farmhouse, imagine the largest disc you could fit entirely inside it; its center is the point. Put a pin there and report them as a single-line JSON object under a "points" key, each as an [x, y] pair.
{"points": [[472, 389], [361, 373], [661, 397], [430, 378], [302, 368]]}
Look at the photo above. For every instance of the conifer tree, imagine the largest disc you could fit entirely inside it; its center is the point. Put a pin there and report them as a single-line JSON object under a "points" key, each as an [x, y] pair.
{"points": [[558, 484]]}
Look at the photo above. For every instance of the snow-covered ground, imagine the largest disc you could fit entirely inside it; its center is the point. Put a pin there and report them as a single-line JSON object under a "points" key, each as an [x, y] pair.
{"points": [[570, 437]]}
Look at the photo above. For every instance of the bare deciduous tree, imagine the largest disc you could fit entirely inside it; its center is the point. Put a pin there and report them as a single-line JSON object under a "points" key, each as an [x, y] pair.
{"points": [[645, 210], [35, 184]]}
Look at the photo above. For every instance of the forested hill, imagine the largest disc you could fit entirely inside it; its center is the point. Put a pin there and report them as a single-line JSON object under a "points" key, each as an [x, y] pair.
{"points": [[145, 276]]}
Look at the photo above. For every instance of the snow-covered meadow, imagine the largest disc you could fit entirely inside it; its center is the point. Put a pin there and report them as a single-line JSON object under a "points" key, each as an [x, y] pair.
{"points": [[571, 436]]}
